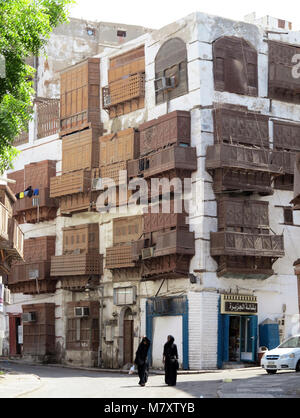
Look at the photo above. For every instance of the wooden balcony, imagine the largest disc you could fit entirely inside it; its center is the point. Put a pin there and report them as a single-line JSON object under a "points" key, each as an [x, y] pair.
{"points": [[70, 183], [171, 266], [37, 208], [123, 90], [285, 160], [27, 272], [31, 278], [237, 168], [170, 129], [47, 117], [244, 267], [241, 158], [77, 265], [174, 158], [282, 83], [242, 213], [175, 242], [162, 221], [242, 244], [11, 240], [120, 257]]}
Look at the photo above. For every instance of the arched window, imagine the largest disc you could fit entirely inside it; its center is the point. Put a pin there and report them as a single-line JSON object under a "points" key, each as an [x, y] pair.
{"points": [[171, 78], [235, 66]]}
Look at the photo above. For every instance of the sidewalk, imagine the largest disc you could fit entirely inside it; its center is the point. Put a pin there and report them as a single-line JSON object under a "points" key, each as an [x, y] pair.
{"points": [[94, 369]]}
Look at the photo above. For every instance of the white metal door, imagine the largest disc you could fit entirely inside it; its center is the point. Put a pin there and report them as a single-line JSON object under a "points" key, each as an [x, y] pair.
{"points": [[161, 328]]}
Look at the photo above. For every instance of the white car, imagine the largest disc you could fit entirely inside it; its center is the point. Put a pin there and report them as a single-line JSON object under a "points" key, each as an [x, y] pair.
{"points": [[284, 357]]}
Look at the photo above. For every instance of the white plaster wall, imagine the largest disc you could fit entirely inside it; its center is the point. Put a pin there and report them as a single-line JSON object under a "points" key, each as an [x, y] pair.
{"points": [[203, 330], [163, 326]]}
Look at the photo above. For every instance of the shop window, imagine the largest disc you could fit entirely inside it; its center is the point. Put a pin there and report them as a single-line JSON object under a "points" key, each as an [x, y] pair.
{"points": [[235, 66], [171, 79]]}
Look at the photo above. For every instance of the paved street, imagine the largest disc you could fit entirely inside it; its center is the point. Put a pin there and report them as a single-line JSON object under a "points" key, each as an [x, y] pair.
{"points": [[58, 382]]}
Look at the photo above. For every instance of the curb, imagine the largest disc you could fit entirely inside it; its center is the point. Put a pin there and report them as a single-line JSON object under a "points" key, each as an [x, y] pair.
{"points": [[126, 372], [117, 371]]}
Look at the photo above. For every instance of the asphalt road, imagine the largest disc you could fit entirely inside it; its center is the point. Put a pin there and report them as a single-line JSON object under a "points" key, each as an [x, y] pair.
{"points": [[59, 382]]}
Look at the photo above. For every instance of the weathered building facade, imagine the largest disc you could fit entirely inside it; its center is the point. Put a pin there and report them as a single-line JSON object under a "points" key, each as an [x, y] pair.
{"points": [[205, 102]]}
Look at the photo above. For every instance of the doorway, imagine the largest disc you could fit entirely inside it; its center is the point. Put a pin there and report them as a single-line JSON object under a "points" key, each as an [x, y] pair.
{"points": [[15, 347], [234, 338], [128, 337], [237, 339]]}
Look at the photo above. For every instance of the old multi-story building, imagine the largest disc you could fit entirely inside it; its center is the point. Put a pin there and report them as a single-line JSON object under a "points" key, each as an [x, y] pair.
{"points": [[207, 103], [11, 250]]}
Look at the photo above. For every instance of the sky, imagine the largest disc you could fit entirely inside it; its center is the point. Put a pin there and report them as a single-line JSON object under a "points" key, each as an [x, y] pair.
{"points": [[158, 13]]}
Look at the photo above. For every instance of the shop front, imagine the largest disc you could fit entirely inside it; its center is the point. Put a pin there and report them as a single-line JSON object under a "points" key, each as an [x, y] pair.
{"points": [[237, 329]]}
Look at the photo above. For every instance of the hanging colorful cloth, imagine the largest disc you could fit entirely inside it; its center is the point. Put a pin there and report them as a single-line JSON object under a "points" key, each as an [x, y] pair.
{"points": [[28, 192], [22, 195]]}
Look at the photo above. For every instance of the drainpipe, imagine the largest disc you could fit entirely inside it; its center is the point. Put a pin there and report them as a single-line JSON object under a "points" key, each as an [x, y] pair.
{"points": [[101, 322]]}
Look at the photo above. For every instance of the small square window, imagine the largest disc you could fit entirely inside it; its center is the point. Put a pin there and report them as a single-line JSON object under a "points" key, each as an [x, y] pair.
{"points": [[121, 33]]}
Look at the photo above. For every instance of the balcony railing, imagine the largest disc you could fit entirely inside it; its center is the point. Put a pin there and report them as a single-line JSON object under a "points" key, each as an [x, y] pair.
{"points": [[171, 266], [11, 237], [33, 287], [173, 158], [241, 158], [21, 139], [77, 265], [241, 244], [245, 267]]}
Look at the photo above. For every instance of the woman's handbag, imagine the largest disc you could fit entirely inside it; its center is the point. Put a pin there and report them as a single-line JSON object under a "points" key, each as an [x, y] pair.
{"points": [[174, 362]]}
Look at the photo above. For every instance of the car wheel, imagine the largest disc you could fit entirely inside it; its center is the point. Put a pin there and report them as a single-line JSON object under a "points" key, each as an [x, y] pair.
{"points": [[271, 371], [298, 366]]}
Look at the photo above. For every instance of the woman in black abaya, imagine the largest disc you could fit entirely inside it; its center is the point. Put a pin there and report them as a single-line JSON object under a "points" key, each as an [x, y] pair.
{"points": [[170, 359], [141, 361]]}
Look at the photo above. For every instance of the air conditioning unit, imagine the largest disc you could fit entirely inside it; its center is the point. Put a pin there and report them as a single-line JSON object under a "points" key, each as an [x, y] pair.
{"points": [[147, 253], [97, 184], [106, 97], [7, 298], [82, 312], [28, 317], [165, 84]]}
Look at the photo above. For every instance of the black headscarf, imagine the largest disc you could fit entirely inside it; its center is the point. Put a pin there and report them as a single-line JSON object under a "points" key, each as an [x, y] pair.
{"points": [[170, 349], [171, 340], [142, 351]]}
